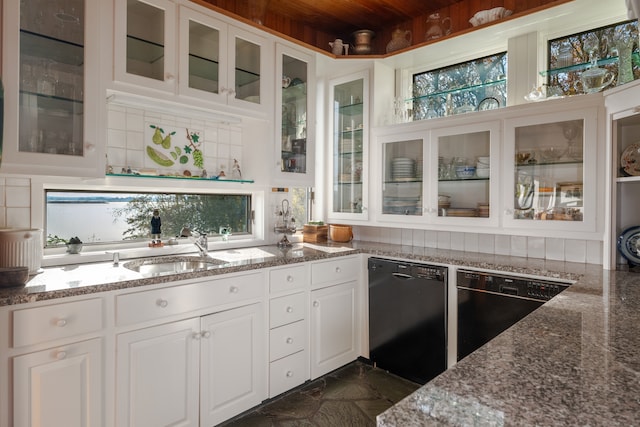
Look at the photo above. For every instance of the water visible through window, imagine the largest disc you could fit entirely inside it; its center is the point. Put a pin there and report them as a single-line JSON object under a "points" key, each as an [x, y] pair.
{"points": [[107, 217]]}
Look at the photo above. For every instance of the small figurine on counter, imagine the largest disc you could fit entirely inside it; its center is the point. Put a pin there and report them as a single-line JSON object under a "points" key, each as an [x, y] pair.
{"points": [[235, 170], [156, 224]]}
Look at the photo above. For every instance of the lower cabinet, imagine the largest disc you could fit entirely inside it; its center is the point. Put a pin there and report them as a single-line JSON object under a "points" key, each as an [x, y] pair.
{"points": [[198, 371], [60, 386], [334, 334]]}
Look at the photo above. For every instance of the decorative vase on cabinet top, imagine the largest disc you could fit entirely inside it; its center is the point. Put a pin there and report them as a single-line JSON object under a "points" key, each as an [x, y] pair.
{"points": [[362, 39], [437, 26], [399, 40]]}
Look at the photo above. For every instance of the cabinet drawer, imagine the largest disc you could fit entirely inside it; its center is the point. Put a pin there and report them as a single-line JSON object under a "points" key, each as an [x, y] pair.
{"points": [[158, 303], [287, 339], [291, 277], [287, 373], [287, 309], [52, 322], [335, 271]]}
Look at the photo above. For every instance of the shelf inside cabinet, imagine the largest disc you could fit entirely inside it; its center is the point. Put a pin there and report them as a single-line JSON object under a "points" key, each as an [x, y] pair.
{"points": [[556, 163], [144, 50], [351, 109], [446, 92], [584, 65], [203, 67], [46, 47], [473, 178], [191, 178]]}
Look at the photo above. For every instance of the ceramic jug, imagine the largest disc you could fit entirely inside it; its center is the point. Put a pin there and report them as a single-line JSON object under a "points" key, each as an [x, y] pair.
{"points": [[437, 26], [399, 40], [337, 47]]}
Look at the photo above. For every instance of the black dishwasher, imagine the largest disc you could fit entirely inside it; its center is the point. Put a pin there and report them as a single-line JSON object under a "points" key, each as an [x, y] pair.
{"points": [[408, 318]]}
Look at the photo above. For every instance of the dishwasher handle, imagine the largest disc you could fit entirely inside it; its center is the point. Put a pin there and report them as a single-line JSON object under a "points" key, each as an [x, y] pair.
{"points": [[402, 276]]}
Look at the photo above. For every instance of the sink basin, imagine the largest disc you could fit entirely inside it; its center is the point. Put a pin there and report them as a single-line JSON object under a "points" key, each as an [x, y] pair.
{"points": [[172, 265]]}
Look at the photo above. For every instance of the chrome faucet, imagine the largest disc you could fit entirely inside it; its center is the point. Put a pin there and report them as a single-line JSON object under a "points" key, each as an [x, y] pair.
{"points": [[200, 240]]}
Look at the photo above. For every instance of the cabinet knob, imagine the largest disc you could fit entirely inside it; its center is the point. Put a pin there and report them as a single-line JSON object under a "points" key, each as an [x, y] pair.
{"points": [[169, 77], [196, 336], [61, 354], [61, 323], [289, 374], [289, 340], [89, 147], [206, 334], [338, 270], [508, 211], [289, 278], [162, 303], [233, 289], [316, 304], [289, 309]]}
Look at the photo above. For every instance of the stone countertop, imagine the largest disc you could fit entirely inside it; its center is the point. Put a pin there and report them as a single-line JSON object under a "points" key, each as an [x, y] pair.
{"points": [[571, 362]]}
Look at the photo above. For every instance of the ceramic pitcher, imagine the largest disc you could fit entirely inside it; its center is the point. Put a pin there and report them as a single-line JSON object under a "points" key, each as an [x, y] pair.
{"points": [[437, 26], [399, 40], [338, 47]]}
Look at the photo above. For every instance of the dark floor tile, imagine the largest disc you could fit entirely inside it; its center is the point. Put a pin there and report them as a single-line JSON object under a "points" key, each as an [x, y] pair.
{"points": [[337, 413], [391, 386]]}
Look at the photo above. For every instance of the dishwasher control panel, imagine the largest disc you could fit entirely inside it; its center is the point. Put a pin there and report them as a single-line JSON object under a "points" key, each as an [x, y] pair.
{"points": [[542, 290]]}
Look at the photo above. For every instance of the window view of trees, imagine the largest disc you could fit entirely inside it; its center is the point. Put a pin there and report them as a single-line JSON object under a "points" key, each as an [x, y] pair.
{"points": [[461, 88], [97, 217], [614, 48]]}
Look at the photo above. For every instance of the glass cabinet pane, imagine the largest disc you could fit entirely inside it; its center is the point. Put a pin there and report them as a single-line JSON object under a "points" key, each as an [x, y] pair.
{"points": [[204, 57], [549, 171], [348, 146], [402, 186], [51, 77], [247, 72], [464, 174], [145, 40], [294, 115]]}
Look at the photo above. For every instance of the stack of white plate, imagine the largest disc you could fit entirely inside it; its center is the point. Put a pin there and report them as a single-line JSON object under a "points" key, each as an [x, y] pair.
{"points": [[483, 167], [403, 169]]}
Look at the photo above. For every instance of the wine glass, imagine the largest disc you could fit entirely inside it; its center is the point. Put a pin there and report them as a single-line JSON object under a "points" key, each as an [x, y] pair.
{"points": [[570, 132], [591, 45]]}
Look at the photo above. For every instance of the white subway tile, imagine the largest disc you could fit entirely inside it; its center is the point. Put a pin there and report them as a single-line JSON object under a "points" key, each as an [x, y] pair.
{"points": [[502, 244], [18, 217], [135, 141], [535, 247], [443, 239], [17, 197], [471, 242], [519, 246], [575, 250], [554, 249], [18, 182], [116, 138], [135, 158], [430, 239], [406, 236], [117, 158], [2, 196], [135, 122], [116, 119], [3, 217], [418, 238], [594, 252], [457, 241]]}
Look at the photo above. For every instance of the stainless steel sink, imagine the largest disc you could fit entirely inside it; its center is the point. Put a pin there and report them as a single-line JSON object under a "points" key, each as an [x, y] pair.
{"points": [[159, 266]]}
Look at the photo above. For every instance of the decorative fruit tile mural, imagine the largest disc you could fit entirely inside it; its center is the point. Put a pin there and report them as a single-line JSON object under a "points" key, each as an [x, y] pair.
{"points": [[173, 148]]}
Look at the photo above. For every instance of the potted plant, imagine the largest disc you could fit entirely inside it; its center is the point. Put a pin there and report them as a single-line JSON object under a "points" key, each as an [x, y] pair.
{"points": [[74, 245]]}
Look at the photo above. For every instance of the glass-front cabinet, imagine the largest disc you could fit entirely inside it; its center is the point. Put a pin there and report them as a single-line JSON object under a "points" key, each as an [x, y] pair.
{"points": [[293, 133], [553, 183], [50, 73], [464, 171], [349, 148]]}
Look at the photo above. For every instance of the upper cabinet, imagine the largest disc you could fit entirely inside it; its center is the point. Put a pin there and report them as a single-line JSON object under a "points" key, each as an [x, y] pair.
{"points": [[295, 123], [52, 86], [551, 170], [189, 52], [348, 151]]}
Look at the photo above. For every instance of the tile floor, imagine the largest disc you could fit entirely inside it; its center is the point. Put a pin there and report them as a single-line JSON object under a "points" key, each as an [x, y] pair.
{"points": [[350, 396]]}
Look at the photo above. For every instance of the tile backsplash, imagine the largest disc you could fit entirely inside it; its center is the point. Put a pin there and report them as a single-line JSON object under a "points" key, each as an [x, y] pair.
{"points": [[574, 250]]}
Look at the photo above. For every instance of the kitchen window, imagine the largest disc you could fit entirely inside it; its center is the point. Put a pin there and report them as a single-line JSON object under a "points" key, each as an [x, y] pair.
{"points": [[480, 84], [97, 217], [613, 48]]}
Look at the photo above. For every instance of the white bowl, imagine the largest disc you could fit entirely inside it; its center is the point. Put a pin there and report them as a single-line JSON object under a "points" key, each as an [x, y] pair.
{"points": [[483, 172], [484, 16], [465, 171]]}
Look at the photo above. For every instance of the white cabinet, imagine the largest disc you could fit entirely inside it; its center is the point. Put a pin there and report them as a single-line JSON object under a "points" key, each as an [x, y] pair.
{"points": [[348, 127], [288, 328], [52, 79], [551, 183], [203, 364], [335, 332], [438, 174], [54, 355], [61, 386], [295, 119], [157, 375], [190, 52]]}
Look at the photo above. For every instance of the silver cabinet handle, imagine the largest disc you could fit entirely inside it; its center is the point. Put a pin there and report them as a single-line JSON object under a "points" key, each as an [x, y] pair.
{"points": [[162, 303]]}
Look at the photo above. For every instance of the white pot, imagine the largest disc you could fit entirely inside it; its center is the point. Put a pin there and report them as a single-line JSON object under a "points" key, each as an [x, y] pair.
{"points": [[21, 247]]}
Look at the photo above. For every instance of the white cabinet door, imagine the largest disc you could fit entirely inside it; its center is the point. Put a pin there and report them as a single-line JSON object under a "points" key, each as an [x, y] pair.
{"points": [[233, 363], [53, 80], [145, 43], [334, 334], [61, 386], [157, 375]]}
